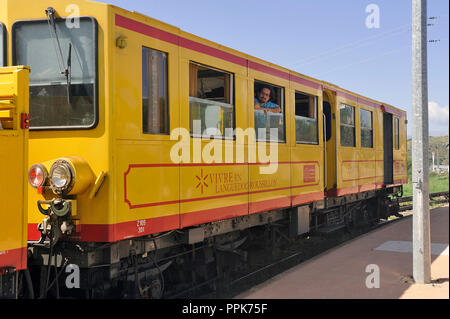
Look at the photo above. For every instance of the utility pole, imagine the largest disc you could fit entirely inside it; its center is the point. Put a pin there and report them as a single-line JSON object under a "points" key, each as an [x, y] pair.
{"points": [[420, 163]]}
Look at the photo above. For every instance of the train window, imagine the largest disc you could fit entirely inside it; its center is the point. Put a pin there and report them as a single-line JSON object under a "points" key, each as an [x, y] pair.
{"points": [[211, 102], [61, 97], [366, 129], [306, 130], [347, 115], [396, 133], [2, 44], [269, 112], [155, 107]]}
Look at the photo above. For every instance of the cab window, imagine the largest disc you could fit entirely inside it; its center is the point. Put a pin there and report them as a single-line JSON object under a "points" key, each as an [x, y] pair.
{"points": [[59, 99], [211, 101], [2, 44], [269, 112], [306, 130]]}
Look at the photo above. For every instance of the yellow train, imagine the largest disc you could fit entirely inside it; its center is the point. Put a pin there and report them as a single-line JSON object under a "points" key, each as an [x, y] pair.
{"points": [[146, 138]]}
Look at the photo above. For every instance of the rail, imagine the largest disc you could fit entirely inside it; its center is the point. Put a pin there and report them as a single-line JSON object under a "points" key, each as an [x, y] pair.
{"points": [[435, 198]]}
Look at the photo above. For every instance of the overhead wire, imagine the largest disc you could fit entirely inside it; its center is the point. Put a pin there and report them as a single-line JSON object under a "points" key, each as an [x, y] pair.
{"points": [[371, 58], [352, 45]]}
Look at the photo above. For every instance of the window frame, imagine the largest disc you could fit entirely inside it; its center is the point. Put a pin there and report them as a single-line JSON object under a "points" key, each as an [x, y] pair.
{"points": [[221, 104], [96, 71], [347, 125], [282, 111], [4, 54], [316, 111], [167, 93], [365, 128]]}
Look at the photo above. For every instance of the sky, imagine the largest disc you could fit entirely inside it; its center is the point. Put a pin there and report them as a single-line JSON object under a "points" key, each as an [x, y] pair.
{"points": [[327, 39]]}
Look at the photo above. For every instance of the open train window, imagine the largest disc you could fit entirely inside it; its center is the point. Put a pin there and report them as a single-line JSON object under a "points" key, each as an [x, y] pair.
{"points": [[347, 118], [211, 101], [306, 128], [366, 129], [2, 44], [269, 112], [59, 99], [155, 106], [396, 133]]}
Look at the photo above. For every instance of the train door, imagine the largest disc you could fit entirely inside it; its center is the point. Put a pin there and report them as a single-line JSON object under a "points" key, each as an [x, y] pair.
{"points": [[146, 111], [388, 149], [13, 169], [329, 125]]}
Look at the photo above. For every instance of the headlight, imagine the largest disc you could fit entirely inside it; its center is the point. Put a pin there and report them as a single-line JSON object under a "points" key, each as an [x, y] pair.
{"points": [[70, 176], [37, 175], [61, 176]]}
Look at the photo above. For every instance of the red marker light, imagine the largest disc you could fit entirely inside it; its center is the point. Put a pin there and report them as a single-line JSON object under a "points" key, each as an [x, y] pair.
{"points": [[37, 175]]}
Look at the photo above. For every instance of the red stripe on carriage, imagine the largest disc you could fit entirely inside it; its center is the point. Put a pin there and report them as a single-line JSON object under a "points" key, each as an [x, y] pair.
{"points": [[357, 189], [212, 215], [176, 201], [153, 32], [388, 109], [14, 258], [147, 30], [33, 234], [131, 229], [270, 204], [307, 198], [195, 46], [177, 40]]}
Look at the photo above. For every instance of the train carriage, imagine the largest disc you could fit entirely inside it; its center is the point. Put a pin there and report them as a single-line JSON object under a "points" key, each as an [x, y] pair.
{"points": [[147, 138], [13, 186]]}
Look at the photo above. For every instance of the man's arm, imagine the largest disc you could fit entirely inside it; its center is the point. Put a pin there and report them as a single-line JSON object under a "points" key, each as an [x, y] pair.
{"points": [[258, 106], [275, 110]]}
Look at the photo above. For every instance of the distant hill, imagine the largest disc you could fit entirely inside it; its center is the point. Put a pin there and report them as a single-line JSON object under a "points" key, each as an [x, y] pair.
{"points": [[438, 145]]}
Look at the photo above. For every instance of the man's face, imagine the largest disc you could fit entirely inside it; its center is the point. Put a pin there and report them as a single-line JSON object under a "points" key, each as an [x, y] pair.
{"points": [[264, 95]]}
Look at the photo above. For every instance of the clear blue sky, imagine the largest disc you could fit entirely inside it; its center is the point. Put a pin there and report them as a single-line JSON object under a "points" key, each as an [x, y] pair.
{"points": [[325, 39]]}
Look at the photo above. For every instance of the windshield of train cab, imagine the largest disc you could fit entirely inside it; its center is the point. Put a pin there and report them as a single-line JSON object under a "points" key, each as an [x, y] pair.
{"points": [[63, 78], [2, 45]]}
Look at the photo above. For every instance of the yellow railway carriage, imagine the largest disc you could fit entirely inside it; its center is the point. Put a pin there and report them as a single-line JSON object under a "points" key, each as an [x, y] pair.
{"points": [[13, 167], [366, 157], [146, 137], [14, 162]]}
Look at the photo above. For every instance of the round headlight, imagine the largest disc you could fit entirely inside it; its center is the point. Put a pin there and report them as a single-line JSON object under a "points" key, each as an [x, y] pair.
{"points": [[37, 175], [61, 176]]}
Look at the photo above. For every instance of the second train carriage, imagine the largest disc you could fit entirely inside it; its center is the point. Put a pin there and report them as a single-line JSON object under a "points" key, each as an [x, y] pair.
{"points": [[104, 134]]}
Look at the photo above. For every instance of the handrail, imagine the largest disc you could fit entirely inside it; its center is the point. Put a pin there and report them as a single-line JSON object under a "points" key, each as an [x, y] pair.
{"points": [[9, 99]]}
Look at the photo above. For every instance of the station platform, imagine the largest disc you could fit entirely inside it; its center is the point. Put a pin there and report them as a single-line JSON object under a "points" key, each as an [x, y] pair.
{"points": [[340, 273]]}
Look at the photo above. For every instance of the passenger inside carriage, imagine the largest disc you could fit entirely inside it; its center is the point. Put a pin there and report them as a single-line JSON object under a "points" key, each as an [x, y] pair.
{"points": [[262, 100], [268, 110]]}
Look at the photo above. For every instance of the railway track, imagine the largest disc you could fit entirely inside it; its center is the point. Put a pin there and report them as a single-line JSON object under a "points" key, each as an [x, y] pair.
{"points": [[227, 286], [435, 198]]}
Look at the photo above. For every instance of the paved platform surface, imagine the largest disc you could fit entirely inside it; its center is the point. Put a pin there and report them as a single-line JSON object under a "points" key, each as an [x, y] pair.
{"points": [[341, 272]]}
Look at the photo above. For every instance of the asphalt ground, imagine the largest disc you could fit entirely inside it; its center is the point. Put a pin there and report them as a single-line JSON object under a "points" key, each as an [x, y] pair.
{"points": [[376, 265]]}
